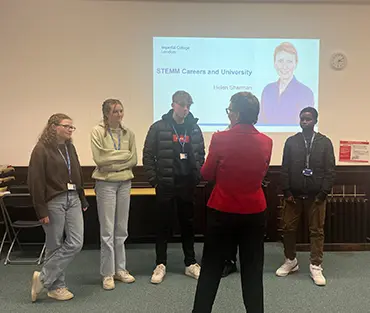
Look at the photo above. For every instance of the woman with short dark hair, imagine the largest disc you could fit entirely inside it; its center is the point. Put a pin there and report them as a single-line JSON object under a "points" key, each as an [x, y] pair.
{"points": [[237, 163]]}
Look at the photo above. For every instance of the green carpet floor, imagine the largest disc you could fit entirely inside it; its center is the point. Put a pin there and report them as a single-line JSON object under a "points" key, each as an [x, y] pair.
{"points": [[347, 291]]}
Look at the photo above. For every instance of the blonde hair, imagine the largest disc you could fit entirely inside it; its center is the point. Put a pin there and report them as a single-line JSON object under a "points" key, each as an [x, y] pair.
{"points": [[286, 47], [106, 108], [49, 135]]}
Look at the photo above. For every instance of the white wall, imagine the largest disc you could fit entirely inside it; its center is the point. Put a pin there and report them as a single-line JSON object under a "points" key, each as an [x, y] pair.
{"points": [[69, 55]]}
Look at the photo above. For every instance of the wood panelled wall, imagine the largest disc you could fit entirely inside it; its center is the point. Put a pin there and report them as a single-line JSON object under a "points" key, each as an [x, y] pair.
{"points": [[351, 182]]}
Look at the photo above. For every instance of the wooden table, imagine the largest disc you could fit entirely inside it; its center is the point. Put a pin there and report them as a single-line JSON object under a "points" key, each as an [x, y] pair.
{"points": [[134, 192]]}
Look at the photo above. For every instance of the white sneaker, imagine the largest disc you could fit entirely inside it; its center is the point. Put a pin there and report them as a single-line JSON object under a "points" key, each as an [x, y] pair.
{"points": [[290, 266], [37, 286], [193, 271], [108, 283], [124, 276], [317, 276], [61, 294], [158, 274]]}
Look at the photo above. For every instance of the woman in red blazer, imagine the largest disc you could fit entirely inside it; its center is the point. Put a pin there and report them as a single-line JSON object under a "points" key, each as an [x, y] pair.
{"points": [[237, 162]]}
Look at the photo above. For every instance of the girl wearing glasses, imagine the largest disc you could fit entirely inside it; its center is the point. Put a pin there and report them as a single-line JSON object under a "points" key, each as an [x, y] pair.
{"points": [[114, 152], [56, 186]]}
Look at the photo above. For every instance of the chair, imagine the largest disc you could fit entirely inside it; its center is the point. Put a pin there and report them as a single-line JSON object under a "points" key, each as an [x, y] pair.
{"points": [[5, 223], [23, 202]]}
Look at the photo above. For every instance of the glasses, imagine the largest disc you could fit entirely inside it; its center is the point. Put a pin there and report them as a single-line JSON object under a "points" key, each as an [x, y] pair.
{"points": [[69, 127], [228, 110]]}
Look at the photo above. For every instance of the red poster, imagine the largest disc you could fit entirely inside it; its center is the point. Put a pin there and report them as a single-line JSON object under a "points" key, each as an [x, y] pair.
{"points": [[354, 151]]}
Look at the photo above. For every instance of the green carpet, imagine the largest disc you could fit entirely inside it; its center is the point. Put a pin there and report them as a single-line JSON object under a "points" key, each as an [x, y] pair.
{"points": [[347, 291]]}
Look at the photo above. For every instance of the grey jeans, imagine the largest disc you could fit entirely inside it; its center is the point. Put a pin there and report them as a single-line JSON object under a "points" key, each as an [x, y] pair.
{"points": [[113, 200], [65, 218]]}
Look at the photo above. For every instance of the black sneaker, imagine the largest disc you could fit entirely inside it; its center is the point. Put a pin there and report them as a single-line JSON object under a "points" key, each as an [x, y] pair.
{"points": [[230, 267]]}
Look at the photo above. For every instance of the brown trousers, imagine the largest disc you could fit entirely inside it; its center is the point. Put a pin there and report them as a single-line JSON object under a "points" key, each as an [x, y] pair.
{"points": [[292, 213]]}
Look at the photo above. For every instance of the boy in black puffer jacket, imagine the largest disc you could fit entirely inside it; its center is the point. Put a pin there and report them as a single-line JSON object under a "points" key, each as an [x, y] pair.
{"points": [[172, 157]]}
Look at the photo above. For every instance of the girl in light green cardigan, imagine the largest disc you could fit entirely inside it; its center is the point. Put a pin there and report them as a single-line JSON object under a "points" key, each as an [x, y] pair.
{"points": [[114, 152]]}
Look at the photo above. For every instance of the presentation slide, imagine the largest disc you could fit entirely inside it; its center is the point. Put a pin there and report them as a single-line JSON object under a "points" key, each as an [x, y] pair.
{"points": [[282, 73]]}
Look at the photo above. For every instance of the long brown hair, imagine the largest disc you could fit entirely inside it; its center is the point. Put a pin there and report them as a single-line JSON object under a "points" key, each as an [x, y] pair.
{"points": [[106, 108], [49, 134]]}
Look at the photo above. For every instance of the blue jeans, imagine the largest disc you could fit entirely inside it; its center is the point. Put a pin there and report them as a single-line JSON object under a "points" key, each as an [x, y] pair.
{"points": [[65, 218], [113, 201]]}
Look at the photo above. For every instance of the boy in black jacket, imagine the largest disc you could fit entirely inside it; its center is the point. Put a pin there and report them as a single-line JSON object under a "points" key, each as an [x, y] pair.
{"points": [[307, 177], [172, 157]]}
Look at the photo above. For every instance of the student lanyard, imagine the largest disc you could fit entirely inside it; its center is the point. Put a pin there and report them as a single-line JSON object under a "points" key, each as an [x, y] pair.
{"points": [[308, 149], [119, 139], [67, 162], [182, 142]]}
